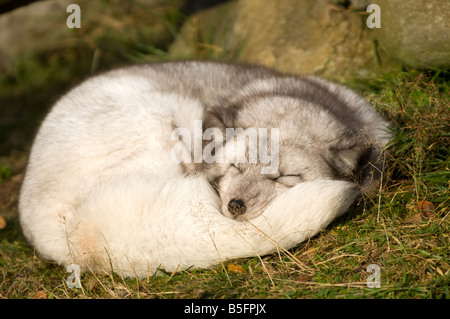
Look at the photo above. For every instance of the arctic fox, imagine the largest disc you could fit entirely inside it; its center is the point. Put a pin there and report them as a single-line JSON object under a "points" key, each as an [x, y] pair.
{"points": [[107, 189]]}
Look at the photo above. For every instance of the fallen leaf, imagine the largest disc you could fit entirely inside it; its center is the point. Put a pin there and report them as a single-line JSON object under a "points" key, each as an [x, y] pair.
{"points": [[303, 278], [425, 207], [2, 223], [236, 269], [416, 218], [39, 295]]}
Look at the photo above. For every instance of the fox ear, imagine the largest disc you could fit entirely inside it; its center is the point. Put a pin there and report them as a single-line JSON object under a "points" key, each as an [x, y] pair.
{"points": [[348, 157], [361, 162]]}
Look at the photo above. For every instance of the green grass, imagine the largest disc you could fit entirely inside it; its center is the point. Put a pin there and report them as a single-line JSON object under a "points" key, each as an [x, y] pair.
{"points": [[410, 246]]}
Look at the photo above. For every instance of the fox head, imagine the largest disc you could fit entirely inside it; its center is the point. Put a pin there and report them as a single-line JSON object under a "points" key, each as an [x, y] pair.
{"points": [[281, 139]]}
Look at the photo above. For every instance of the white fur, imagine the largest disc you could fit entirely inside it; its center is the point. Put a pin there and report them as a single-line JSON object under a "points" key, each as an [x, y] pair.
{"points": [[102, 191]]}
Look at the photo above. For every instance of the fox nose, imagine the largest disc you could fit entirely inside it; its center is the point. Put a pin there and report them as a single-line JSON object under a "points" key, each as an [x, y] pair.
{"points": [[236, 207]]}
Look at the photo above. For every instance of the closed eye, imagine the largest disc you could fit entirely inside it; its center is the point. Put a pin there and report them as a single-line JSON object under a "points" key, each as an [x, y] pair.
{"points": [[237, 167], [215, 187], [289, 180]]}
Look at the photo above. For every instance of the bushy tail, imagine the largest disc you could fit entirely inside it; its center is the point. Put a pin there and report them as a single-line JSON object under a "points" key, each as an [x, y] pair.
{"points": [[181, 226]]}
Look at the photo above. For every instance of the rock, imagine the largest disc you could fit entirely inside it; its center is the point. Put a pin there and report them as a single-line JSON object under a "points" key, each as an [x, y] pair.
{"points": [[26, 29], [308, 36], [109, 30], [303, 37], [415, 32]]}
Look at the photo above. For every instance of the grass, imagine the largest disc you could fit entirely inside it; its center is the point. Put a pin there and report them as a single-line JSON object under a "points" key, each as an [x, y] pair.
{"points": [[410, 244], [403, 227]]}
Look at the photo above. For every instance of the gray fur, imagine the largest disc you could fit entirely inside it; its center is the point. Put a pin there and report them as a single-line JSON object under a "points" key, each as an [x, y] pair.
{"points": [[326, 130]]}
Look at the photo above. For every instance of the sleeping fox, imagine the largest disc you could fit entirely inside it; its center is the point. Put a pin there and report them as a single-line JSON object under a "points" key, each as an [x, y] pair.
{"points": [[180, 164]]}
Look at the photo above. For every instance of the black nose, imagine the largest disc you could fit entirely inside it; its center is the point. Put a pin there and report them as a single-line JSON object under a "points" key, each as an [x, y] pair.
{"points": [[236, 207]]}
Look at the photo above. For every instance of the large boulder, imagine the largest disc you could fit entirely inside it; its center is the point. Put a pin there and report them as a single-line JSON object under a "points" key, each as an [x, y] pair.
{"points": [[416, 32], [308, 36], [108, 32], [305, 37]]}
